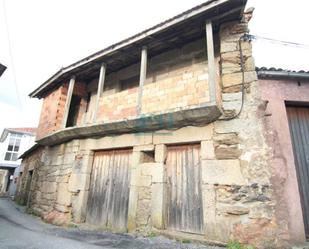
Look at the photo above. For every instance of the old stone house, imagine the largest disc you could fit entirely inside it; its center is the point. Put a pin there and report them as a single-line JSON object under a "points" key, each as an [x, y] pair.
{"points": [[170, 131]]}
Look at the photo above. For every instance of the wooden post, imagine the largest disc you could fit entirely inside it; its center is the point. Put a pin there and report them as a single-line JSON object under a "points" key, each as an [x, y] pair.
{"points": [[211, 62], [100, 90], [68, 101], [142, 79]]}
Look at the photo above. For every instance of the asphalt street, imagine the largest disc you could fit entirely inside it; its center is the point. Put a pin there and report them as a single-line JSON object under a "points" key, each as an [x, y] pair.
{"points": [[19, 230]]}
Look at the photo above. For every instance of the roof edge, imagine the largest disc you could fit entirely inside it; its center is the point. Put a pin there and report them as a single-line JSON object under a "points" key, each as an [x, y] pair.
{"points": [[138, 37]]}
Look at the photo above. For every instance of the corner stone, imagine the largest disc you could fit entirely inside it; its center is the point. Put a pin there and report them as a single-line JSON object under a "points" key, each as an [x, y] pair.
{"points": [[225, 172]]}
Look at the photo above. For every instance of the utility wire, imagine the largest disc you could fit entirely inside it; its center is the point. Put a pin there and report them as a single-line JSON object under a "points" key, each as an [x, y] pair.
{"points": [[11, 55], [284, 43]]}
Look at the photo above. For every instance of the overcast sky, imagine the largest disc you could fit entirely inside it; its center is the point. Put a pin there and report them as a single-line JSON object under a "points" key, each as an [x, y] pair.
{"points": [[46, 35]]}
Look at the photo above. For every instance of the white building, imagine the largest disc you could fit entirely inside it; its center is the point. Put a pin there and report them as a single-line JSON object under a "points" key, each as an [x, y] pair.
{"points": [[13, 142]]}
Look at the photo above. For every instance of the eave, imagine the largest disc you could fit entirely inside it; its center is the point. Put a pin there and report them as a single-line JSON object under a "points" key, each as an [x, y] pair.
{"points": [[178, 30]]}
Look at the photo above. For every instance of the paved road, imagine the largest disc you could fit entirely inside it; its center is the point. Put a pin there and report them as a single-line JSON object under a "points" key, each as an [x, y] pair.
{"points": [[22, 231]]}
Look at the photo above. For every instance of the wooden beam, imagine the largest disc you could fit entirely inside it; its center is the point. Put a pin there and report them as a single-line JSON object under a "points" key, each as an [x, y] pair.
{"points": [[100, 90], [142, 79], [211, 62], [68, 102]]}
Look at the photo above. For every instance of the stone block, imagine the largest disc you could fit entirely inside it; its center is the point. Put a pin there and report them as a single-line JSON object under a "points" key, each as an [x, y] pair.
{"points": [[135, 174], [207, 150], [228, 46], [209, 204], [144, 181], [227, 151], [232, 126], [231, 79], [157, 205], [83, 164], [122, 141], [231, 105], [148, 147], [61, 208], [63, 195], [160, 153], [158, 173], [232, 209], [79, 206], [226, 97], [49, 187], [226, 172], [78, 182], [227, 138], [182, 135], [144, 193], [132, 208], [144, 212]]}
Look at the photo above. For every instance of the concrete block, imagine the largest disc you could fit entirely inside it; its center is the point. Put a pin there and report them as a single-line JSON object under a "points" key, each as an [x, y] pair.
{"points": [[207, 150], [160, 153], [225, 172], [79, 182], [182, 135]]}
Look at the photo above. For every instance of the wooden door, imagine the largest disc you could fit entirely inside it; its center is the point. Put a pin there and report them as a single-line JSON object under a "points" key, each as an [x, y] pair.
{"points": [[299, 129], [108, 199], [184, 195]]}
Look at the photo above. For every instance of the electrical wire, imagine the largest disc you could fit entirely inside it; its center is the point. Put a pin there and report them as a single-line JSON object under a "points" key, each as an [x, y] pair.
{"points": [[11, 55], [284, 43]]}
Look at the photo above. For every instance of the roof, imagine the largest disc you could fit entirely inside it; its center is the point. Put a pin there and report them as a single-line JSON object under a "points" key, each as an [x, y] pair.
{"points": [[21, 130], [279, 73], [29, 151], [180, 29], [2, 69]]}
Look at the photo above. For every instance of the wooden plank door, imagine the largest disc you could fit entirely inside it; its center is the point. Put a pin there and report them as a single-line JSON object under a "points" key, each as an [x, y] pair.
{"points": [[299, 128], [184, 195], [108, 199]]}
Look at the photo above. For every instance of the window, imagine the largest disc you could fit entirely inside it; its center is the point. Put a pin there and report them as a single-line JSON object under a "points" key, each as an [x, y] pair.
{"points": [[13, 147], [129, 83]]}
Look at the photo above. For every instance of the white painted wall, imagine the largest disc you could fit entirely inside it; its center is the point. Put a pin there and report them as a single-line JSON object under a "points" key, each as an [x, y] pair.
{"points": [[26, 142]]}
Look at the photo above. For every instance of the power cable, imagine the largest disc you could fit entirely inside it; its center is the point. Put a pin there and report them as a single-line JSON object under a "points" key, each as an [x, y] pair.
{"points": [[271, 40], [11, 54]]}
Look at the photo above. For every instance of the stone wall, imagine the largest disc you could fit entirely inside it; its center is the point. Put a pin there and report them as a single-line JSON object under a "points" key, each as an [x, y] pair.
{"points": [[3, 181]]}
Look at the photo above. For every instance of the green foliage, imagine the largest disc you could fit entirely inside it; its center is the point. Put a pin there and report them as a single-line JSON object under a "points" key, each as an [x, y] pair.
{"points": [[186, 241], [151, 235], [72, 225], [237, 245]]}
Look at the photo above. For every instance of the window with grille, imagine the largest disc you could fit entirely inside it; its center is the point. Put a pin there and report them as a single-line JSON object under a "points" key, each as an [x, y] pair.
{"points": [[13, 147]]}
